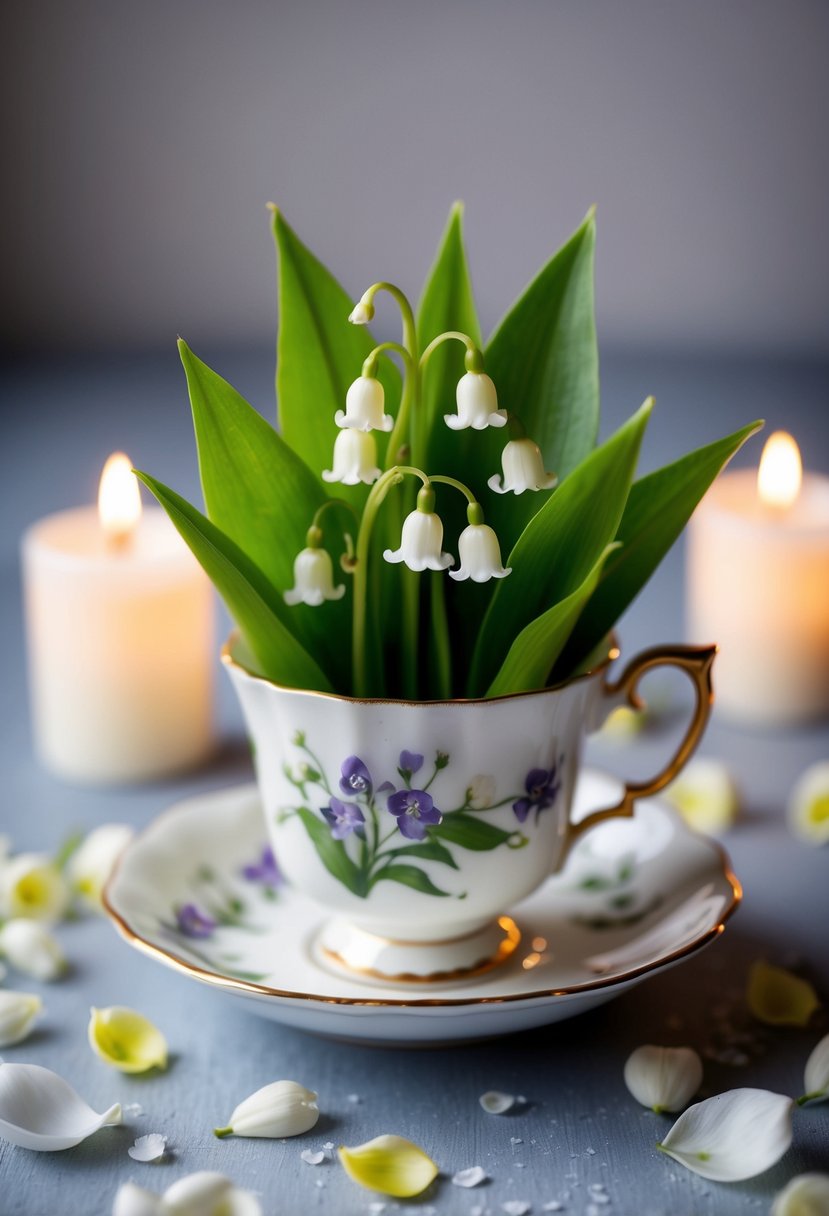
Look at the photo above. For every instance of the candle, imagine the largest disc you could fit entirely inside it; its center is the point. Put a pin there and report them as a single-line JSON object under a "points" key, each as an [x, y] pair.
{"points": [[758, 585], [119, 619]]}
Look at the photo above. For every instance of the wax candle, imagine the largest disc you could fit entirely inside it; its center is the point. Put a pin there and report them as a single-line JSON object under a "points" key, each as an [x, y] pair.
{"points": [[758, 585], [119, 619]]}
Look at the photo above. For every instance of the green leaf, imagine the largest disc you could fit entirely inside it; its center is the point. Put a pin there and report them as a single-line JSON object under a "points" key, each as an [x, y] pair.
{"points": [[531, 657], [658, 508], [560, 545], [319, 354], [263, 497], [409, 876], [332, 853], [472, 833], [252, 601], [430, 850]]}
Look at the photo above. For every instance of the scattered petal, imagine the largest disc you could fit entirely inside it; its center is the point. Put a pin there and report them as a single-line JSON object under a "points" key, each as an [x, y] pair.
{"points": [[732, 1136], [41, 1111], [32, 886], [473, 1176], [663, 1078], [133, 1109], [132, 1200], [515, 1140], [149, 1148], [808, 806], [312, 1158], [32, 949], [496, 1103], [705, 796], [283, 1108], [328, 1148], [777, 997], [91, 864], [806, 1195], [816, 1075], [554, 1205], [18, 1011], [623, 723], [208, 1194], [516, 1207], [389, 1164], [126, 1039]]}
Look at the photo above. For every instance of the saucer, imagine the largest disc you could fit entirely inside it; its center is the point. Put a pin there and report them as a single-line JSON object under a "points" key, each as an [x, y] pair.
{"points": [[198, 891]]}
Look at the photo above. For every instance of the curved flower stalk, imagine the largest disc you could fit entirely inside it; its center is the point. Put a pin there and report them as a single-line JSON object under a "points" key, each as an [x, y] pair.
{"points": [[283, 1108], [364, 403], [663, 1078], [523, 469], [126, 1039], [41, 1111], [355, 459], [733, 1136], [390, 1165]]}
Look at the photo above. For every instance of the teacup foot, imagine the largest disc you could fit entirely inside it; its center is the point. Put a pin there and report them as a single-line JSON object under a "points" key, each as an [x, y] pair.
{"points": [[346, 947]]}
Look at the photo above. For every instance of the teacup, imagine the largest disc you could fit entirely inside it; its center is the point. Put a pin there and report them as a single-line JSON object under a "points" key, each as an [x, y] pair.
{"points": [[418, 824]]}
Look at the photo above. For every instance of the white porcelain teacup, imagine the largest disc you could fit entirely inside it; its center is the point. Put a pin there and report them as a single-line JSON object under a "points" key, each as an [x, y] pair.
{"points": [[419, 824]]}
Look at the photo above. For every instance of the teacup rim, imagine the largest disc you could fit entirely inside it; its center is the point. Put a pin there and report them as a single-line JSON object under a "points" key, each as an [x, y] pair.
{"points": [[233, 664]]}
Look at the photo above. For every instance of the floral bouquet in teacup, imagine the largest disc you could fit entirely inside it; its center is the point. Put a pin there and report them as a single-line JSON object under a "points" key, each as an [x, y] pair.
{"points": [[430, 520]]}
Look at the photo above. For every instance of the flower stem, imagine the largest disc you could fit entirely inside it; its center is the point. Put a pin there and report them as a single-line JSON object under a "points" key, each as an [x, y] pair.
{"points": [[221, 1132], [474, 359], [456, 485], [440, 632], [370, 361]]}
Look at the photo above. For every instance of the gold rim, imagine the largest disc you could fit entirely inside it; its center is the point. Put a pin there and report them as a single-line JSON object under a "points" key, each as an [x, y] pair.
{"points": [[224, 982]]}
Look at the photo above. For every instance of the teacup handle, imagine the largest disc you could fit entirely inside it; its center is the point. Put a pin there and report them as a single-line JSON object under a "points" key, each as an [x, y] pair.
{"points": [[696, 662]]}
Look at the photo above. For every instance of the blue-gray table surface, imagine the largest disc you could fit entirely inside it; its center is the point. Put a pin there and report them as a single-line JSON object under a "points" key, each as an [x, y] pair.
{"points": [[61, 418]]}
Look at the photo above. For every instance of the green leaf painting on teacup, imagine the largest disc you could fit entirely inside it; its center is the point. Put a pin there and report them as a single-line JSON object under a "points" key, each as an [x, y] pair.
{"points": [[366, 832]]}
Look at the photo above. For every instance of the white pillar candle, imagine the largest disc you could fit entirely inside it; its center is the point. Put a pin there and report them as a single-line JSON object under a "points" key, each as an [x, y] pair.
{"points": [[119, 619], [758, 586]]}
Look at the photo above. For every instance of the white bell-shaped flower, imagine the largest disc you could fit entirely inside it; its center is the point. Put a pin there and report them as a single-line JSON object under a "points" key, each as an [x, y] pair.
{"points": [[283, 1108], [355, 459], [421, 538], [523, 468], [477, 404], [313, 579], [364, 407], [480, 555], [361, 313]]}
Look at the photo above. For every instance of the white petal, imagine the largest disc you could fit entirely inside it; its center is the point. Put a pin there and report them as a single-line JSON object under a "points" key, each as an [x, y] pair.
{"points": [[208, 1194], [31, 885], [280, 1109], [312, 1158], [18, 1011], [705, 795], [732, 1136], [41, 1111], [91, 864], [496, 1103], [132, 1200], [816, 1075], [663, 1078], [516, 1207], [32, 949], [474, 1176], [151, 1147], [808, 805], [806, 1195]]}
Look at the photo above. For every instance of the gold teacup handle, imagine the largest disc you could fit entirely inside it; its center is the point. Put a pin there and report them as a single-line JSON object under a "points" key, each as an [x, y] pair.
{"points": [[696, 662]]}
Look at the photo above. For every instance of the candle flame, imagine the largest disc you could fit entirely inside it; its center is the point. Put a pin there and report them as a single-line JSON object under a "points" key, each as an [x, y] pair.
{"points": [[781, 471], [119, 499]]}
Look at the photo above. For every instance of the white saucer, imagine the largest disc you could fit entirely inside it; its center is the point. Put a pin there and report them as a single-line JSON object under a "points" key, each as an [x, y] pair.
{"points": [[637, 895]]}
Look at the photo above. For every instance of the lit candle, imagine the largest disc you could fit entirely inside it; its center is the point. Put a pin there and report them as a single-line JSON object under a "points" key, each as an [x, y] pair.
{"points": [[758, 585], [119, 619]]}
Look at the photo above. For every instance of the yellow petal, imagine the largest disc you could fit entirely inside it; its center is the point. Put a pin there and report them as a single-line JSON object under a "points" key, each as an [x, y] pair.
{"points": [[389, 1164], [705, 796], [623, 723], [126, 1039], [808, 807], [779, 998]]}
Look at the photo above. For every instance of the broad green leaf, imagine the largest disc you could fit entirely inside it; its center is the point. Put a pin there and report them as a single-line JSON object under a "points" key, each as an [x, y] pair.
{"points": [[531, 657], [319, 354], [475, 834], [251, 600], [658, 508], [430, 850], [560, 545], [262, 495], [409, 876], [332, 853]]}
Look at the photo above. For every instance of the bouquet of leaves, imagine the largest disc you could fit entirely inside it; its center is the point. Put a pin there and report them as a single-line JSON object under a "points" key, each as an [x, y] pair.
{"points": [[324, 535]]}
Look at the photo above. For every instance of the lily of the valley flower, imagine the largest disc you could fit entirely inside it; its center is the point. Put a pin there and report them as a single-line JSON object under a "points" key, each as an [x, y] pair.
{"points": [[313, 579], [705, 796], [32, 949], [477, 403], [421, 538], [362, 313], [283, 1108], [364, 406], [479, 551], [808, 807], [390, 1165], [816, 1076], [202, 1194], [126, 1039], [732, 1136], [663, 1078], [91, 864], [523, 468], [805, 1195], [355, 459], [18, 1011], [41, 1111], [31, 885], [777, 997]]}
